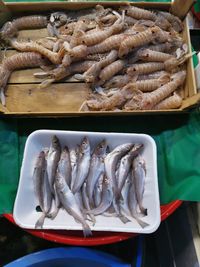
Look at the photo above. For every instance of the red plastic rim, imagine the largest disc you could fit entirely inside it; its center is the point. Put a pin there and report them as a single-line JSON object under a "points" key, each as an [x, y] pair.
{"points": [[76, 238], [195, 13]]}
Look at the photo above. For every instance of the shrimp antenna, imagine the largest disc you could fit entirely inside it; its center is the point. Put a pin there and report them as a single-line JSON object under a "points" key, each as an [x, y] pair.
{"points": [[2, 97], [123, 15], [116, 14]]}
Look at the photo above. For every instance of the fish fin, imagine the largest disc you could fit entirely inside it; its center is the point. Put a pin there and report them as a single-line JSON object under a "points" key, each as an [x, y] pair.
{"points": [[141, 223], [40, 222], [123, 218], [86, 230]]}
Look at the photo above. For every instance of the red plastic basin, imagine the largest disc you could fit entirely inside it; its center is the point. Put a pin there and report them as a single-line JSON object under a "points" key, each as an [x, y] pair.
{"points": [[99, 238]]}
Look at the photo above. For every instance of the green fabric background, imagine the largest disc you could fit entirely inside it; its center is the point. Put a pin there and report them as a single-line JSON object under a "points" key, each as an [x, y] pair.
{"points": [[177, 138]]}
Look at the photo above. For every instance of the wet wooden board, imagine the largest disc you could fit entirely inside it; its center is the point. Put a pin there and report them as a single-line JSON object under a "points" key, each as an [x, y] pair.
{"points": [[27, 76], [57, 97], [32, 34]]}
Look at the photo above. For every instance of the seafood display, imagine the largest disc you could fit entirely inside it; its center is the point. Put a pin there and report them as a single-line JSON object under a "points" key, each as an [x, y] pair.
{"points": [[131, 58], [89, 181]]}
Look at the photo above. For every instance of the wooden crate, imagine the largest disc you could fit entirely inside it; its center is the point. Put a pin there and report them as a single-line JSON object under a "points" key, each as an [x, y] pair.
{"points": [[64, 98]]}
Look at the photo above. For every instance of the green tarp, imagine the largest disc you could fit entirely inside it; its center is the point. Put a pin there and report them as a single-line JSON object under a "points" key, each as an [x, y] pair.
{"points": [[177, 138]]}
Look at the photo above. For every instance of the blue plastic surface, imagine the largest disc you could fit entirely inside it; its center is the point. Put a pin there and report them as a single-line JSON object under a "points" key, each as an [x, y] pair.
{"points": [[68, 257]]}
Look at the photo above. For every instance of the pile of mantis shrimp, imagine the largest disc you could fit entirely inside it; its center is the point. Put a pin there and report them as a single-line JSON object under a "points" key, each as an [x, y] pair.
{"points": [[131, 58]]}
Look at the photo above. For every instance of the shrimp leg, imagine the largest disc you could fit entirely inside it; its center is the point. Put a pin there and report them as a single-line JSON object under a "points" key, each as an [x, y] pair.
{"points": [[55, 58]]}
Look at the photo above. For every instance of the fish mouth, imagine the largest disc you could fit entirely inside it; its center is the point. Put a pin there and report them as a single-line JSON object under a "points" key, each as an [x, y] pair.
{"points": [[103, 144], [54, 139]]}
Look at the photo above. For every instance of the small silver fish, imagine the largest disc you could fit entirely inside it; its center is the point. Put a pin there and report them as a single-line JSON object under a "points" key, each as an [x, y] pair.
{"points": [[86, 202], [98, 191], [125, 165], [106, 200], [96, 169], [124, 202], [111, 161], [47, 196], [52, 160], [38, 181], [119, 214], [132, 201], [69, 203], [64, 165], [55, 204], [74, 156], [47, 202], [139, 174], [83, 165], [38, 177], [124, 193]]}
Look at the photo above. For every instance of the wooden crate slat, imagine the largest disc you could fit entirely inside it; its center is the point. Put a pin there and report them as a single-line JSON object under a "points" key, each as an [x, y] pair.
{"points": [[57, 97]]}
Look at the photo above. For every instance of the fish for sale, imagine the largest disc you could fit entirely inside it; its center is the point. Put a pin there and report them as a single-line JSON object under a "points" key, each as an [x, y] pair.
{"points": [[47, 203], [111, 161], [38, 181], [124, 202], [64, 165], [55, 204], [38, 177], [106, 200], [52, 160], [83, 165], [125, 165], [139, 173], [79, 200], [86, 202], [124, 193], [98, 191], [119, 214], [74, 156], [96, 169], [132, 201], [47, 196], [69, 203]]}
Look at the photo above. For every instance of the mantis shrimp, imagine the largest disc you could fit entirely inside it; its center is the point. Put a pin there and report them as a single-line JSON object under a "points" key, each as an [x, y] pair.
{"points": [[31, 46], [99, 36], [171, 102], [149, 100], [92, 73], [16, 62], [137, 40], [10, 29]]}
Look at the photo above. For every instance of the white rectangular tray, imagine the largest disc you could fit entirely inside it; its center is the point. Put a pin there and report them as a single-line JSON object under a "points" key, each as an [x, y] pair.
{"points": [[25, 214]]}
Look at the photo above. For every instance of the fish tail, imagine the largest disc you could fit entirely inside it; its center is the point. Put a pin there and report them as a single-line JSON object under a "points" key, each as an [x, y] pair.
{"points": [[53, 214], [86, 230], [40, 222], [141, 223], [123, 218]]}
